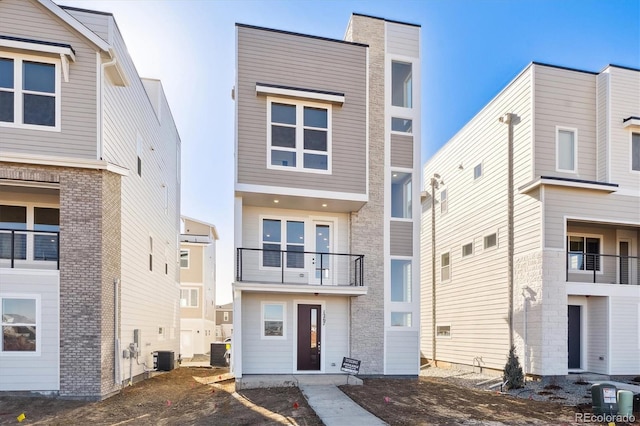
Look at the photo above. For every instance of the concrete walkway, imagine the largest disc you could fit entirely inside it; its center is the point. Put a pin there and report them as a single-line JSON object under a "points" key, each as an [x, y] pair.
{"points": [[335, 408]]}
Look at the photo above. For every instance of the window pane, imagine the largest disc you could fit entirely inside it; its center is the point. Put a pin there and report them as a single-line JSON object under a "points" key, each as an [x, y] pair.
{"points": [[281, 113], [45, 247], [274, 312], [467, 249], [6, 107], [184, 259], [401, 125], [401, 85], [295, 260], [283, 158], [19, 311], [565, 150], [40, 110], [444, 205], [490, 241], [400, 319], [400, 280], [635, 151], [295, 232], [194, 297], [271, 258], [315, 140], [401, 195], [39, 77], [6, 73], [315, 161], [477, 171], [283, 136], [271, 230], [443, 330], [315, 117], [19, 338], [13, 217], [46, 219]]}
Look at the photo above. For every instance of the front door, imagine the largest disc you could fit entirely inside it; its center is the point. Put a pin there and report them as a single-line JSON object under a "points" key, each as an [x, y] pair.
{"points": [[309, 337], [321, 263], [573, 338]]}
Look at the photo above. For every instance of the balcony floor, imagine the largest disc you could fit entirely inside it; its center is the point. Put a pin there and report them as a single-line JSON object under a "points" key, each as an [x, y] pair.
{"points": [[269, 287]]}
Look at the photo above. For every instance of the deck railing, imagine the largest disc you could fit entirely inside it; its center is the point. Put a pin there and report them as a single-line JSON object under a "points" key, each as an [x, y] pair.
{"points": [[28, 248], [602, 268], [299, 267]]}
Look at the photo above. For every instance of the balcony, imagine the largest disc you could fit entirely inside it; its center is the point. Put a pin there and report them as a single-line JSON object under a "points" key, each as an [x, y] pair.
{"points": [[299, 267], [29, 249], [602, 268]]}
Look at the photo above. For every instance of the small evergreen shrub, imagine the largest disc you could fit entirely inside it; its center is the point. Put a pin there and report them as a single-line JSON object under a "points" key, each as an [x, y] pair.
{"points": [[513, 371]]}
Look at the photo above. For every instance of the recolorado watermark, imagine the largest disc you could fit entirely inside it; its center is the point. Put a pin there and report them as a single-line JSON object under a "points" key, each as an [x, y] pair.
{"points": [[604, 418]]}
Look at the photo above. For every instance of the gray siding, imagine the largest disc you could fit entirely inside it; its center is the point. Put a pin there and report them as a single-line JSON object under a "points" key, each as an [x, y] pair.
{"points": [[96, 22], [303, 62], [602, 87], [401, 238], [401, 355], [402, 151], [565, 98], [625, 344], [597, 311], [77, 138], [403, 39]]}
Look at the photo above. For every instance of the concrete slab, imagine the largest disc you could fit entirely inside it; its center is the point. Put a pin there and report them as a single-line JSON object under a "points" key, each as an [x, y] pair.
{"points": [[335, 408], [253, 381]]}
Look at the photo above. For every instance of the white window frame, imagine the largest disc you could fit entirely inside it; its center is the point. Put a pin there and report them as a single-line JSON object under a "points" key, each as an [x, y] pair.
{"points": [[284, 321], [443, 336], [189, 297], [443, 267], [480, 167], [484, 241], [575, 149], [600, 237], [468, 254], [188, 251], [409, 315], [408, 284], [410, 96], [38, 325], [299, 126], [283, 241], [18, 91], [407, 196], [631, 151]]}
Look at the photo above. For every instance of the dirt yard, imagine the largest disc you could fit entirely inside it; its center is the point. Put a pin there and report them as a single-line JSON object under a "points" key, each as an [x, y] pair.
{"points": [[188, 396]]}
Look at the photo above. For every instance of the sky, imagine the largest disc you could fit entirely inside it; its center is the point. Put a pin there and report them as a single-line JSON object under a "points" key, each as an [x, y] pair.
{"points": [[470, 50]]}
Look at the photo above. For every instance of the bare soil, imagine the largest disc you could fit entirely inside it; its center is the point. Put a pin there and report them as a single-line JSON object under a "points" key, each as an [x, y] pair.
{"points": [[189, 396]]}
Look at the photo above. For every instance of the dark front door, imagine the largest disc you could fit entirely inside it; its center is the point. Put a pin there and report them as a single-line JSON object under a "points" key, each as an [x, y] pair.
{"points": [[309, 333], [574, 336]]}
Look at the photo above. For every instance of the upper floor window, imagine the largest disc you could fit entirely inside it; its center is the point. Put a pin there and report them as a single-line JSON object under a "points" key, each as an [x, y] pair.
{"points": [[635, 152], [274, 233], [444, 203], [403, 125], [401, 195], [467, 250], [29, 92], [299, 136], [400, 280], [445, 267], [184, 259], [189, 297], [584, 253], [225, 316], [401, 84], [566, 149], [490, 240], [477, 171]]}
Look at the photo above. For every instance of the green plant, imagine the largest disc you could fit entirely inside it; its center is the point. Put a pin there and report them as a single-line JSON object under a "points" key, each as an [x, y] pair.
{"points": [[513, 375]]}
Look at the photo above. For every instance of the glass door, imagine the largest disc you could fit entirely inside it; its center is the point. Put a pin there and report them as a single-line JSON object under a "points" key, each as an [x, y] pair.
{"points": [[321, 262]]}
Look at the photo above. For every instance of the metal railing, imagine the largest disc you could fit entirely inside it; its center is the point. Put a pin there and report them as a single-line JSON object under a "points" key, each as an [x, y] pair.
{"points": [[29, 247], [299, 267], [602, 268]]}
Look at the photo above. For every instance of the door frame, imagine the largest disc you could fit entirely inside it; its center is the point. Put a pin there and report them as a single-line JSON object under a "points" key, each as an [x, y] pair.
{"points": [[323, 335], [581, 301], [332, 245]]}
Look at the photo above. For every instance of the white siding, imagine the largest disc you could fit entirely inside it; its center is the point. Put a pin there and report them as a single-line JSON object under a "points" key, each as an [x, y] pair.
{"points": [[603, 110], [597, 337], [34, 372], [402, 352], [403, 39], [625, 334]]}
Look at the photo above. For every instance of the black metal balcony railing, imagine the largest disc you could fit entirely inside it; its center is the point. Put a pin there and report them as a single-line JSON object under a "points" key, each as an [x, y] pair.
{"points": [[29, 248], [602, 268], [299, 267]]}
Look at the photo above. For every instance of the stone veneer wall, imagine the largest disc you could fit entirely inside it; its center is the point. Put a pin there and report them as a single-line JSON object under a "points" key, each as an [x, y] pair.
{"points": [[367, 225]]}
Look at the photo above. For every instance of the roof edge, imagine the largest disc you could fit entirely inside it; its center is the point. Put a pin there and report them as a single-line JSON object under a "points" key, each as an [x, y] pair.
{"points": [[386, 20], [335, 40]]}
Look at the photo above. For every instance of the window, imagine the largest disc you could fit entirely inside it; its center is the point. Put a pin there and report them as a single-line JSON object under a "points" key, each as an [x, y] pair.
{"points": [[272, 238], [400, 280], [139, 154], [635, 152], [403, 125], [273, 320], [19, 316], [45, 246], [150, 253], [566, 151], [29, 92], [584, 253], [400, 319], [184, 259], [299, 136], [161, 332], [189, 297], [443, 331], [477, 171], [13, 217], [401, 195], [490, 241], [401, 85], [467, 250], [445, 267], [444, 205], [225, 316]]}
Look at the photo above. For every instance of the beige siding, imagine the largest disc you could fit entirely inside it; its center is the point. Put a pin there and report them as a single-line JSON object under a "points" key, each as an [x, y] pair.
{"points": [[474, 302], [565, 98], [402, 151], [597, 312], [194, 273], [403, 40], [296, 61], [527, 226], [625, 102], [603, 122], [96, 22], [401, 238], [77, 138]]}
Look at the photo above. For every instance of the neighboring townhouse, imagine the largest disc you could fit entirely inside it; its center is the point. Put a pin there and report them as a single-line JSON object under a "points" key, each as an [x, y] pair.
{"points": [[224, 321], [327, 151], [197, 287], [89, 206], [537, 228]]}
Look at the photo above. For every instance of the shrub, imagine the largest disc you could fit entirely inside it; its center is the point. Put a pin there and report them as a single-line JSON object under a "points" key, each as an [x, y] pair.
{"points": [[513, 371]]}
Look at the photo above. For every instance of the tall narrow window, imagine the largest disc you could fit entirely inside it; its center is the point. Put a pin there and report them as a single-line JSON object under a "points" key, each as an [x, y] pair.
{"points": [[139, 154], [445, 267], [400, 280], [635, 152], [7, 90], [477, 171], [184, 258], [150, 253], [401, 85], [271, 240], [295, 243], [566, 150], [401, 195], [444, 205]]}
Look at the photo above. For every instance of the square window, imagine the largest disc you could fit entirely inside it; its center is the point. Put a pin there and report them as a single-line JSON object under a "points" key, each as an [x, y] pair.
{"points": [[490, 241], [443, 331], [273, 321], [467, 250], [400, 280], [584, 253], [401, 195], [566, 151], [401, 84]]}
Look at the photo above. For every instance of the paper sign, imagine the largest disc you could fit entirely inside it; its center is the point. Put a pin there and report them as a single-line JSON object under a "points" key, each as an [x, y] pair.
{"points": [[350, 365], [609, 395]]}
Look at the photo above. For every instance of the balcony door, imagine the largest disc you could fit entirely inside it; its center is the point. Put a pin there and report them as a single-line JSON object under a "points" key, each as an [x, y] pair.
{"points": [[627, 260], [322, 265]]}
